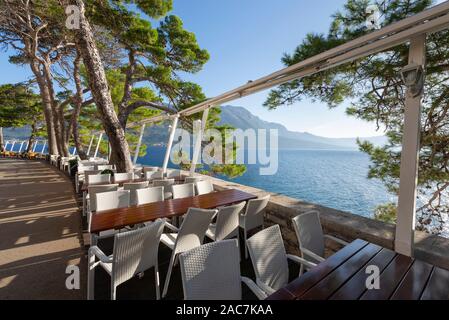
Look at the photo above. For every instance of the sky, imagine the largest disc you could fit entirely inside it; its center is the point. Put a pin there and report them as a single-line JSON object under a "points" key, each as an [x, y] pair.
{"points": [[246, 40]]}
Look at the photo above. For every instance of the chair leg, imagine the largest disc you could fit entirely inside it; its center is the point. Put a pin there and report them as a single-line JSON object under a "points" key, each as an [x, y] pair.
{"points": [[113, 291], [167, 279], [91, 277], [246, 248], [156, 279]]}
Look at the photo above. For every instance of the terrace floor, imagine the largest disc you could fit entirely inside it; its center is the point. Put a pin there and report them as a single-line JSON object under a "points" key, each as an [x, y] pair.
{"points": [[41, 232]]}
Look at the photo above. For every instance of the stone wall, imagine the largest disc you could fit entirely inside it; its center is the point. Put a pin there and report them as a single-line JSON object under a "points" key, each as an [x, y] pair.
{"points": [[344, 225]]}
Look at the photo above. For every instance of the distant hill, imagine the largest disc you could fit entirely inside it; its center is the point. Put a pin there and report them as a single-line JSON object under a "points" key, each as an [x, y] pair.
{"points": [[241, 118]]}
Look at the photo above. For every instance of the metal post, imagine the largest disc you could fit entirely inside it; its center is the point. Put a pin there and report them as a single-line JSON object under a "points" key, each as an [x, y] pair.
{"points": [[74, 151], [405, 225], [43, 147], [98, 145], [35, 145], [90, 145], [170, 143], [139, 143], [21, 145], [199, 128], [6, 145], [12, 146]]}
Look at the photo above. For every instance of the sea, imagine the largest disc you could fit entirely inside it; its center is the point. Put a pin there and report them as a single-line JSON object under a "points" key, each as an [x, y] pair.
{"points": [[332, 178]]}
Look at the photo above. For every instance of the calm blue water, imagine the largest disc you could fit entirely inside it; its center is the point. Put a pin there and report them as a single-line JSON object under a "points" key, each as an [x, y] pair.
{"points": [[336, 179]]}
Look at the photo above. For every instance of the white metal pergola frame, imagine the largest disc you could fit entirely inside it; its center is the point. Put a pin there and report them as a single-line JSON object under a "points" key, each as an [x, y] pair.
{"points": [[413, 30]]}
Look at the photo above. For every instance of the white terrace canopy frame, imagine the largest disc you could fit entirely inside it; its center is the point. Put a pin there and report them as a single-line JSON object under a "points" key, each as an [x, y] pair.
{"points": [[414, 30]]}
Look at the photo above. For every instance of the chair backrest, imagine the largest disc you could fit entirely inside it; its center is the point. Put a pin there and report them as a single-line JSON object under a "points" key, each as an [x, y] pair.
{"points": [[88, 173], [93, 190], [83, 168], [112, 200], [127, 176], [192, 179], [149, 195], [133, 187], [166, 183], [254, 212], [151, 175], [102, 167], [150, 169], [193, 228], [267, 252], [204, 187], [309, 233], [183, 190], [173, 173], [207, 275], [98, 178], [227, 224], [135, 251]]}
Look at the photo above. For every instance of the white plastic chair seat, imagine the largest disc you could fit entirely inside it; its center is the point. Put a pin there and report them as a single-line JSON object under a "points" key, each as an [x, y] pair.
{"points": [[168, 195], [169, 239]]}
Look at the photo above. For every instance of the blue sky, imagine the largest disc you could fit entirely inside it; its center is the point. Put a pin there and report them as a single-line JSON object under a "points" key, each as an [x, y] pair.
{"points": [[246, 40]]}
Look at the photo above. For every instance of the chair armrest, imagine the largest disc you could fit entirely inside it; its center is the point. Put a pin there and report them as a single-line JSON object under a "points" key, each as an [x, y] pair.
{"points": [[342, 242], [260, 294], [171, 227], [299, 260], [312, 255], [99, 254]]}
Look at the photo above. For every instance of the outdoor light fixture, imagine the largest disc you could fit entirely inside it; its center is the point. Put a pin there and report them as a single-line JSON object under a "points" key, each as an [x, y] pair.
{"points": [[413, 77]]}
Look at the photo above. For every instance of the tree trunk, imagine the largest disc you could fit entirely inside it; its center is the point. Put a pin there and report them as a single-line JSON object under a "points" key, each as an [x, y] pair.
{"points": [[78, 104], [2, 142], [32, 137], [99, 87], [48, 110], [58, 113]]}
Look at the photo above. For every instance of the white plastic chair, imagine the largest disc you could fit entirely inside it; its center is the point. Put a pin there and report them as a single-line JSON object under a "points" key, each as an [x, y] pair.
{"points": [[173, 173], [149, 195], [183, 190], [212, 272], [98, 178], [204, 187], [269, 259], [227, 224], [310, 236], [150, 169], [91, 199], [152, 175], [167, 184], [134, 252], [112, 200], [192, 179], [133, 187], [102, 167], [190, 235], [79, 176], [253, 217], [120, 177]]}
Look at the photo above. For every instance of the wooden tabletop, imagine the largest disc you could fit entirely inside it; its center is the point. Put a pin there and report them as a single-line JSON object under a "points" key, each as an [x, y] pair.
{"points": [[120, 218], [85, 186], [343, 277]]}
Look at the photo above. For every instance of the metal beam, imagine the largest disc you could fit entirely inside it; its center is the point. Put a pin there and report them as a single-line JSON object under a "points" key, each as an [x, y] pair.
{"points": [[139, 143], [21, 145], [74, 151], [98, 144], [35, 145], [169, 144], [12, 145], [199, 127], [43, 147], [6, 145], [405, 224], [90, 145]]}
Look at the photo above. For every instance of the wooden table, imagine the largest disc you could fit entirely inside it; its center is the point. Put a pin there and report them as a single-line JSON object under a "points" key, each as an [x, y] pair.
{"points": [[85, 186], [343, 277], [120, 218]]}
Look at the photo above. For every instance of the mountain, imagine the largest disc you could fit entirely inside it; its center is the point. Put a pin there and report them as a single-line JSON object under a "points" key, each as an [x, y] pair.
{"points": [[241, 118]]}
